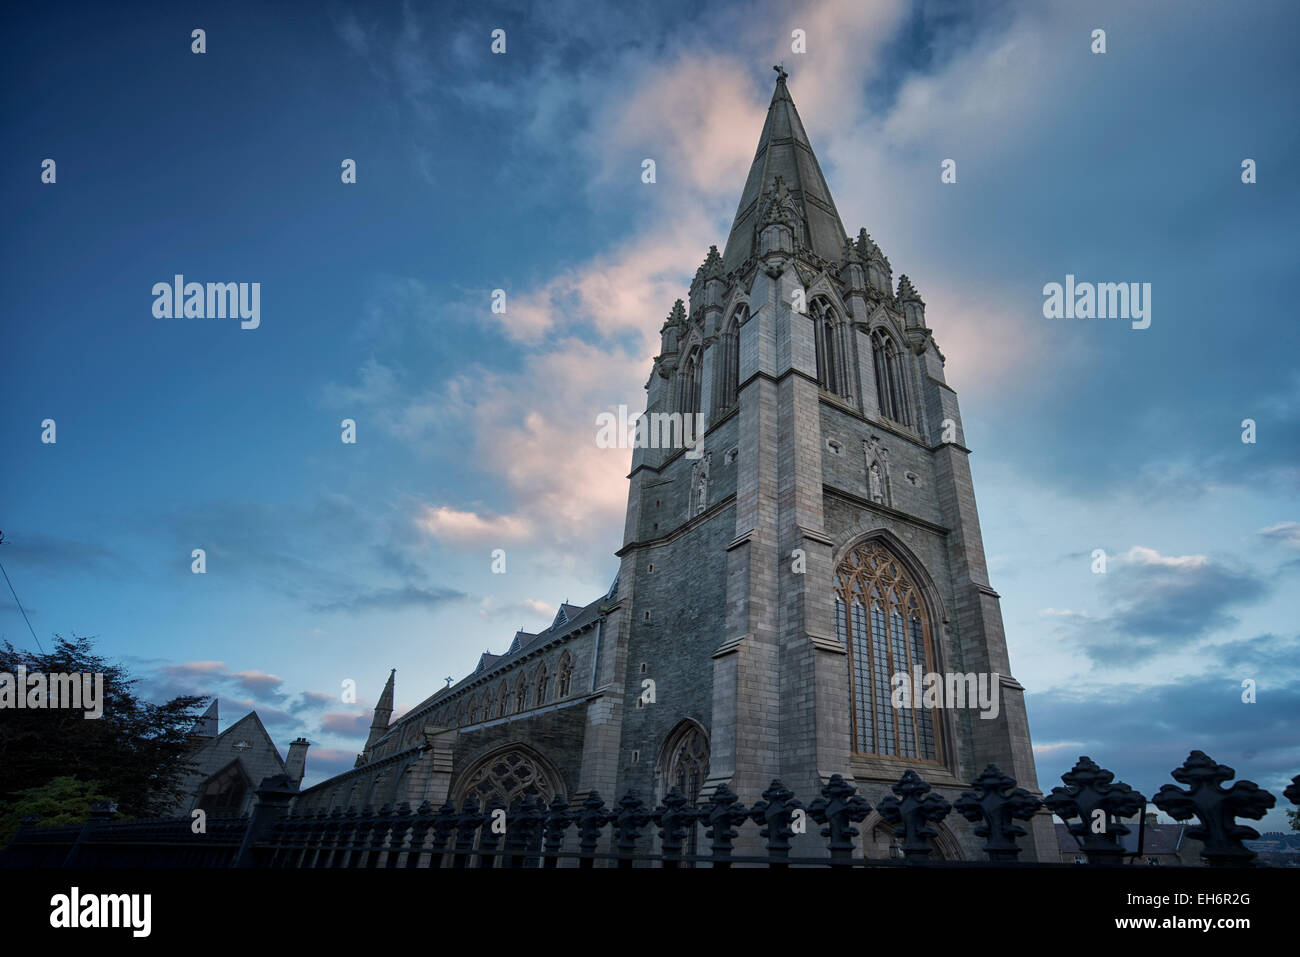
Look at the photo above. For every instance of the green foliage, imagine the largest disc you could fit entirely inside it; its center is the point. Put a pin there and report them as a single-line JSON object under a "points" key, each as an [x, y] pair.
{"points": [[62, 800], [1294, 818], [137, 752]]}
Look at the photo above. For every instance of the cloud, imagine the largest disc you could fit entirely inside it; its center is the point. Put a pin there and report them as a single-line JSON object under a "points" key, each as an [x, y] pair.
{"points": [[259, 683], [192, 669], [1160, 604], [1286, 533], [345, 724], [461, 527], [1143, 732], [325, 763], [62, 556], [392, 599]]}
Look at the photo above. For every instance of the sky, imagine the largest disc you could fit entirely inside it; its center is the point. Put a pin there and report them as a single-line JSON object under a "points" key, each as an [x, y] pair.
{"points": [[329, 562]]}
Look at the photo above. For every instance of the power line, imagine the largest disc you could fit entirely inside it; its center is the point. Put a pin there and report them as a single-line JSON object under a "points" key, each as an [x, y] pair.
{"points": [[20, 608]]}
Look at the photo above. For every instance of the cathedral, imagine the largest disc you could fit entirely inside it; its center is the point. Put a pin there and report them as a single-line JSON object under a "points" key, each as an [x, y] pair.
{"points": [[821, 538]]}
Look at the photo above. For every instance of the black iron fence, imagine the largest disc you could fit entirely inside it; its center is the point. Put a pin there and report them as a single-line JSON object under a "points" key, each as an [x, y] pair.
{"points": [[531, 833]]}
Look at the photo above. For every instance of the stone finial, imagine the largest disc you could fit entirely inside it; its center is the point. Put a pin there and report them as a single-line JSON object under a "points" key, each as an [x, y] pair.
{"points": [[1094, 796], [1216, 808], [867, 248], [712, 264], [906, 291], [991, 806]]}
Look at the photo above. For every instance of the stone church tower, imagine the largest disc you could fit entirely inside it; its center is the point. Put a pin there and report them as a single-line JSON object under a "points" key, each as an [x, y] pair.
{"points": [[826, 539], [820, 538]]}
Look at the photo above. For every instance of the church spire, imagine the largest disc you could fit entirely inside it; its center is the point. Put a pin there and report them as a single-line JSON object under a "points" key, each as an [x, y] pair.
{"points": [[383, 711], [784, 153]]}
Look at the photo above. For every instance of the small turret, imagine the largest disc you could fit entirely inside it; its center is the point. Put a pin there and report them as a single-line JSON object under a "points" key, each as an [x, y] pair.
{"points": [[910, 302], [670, 338], [852, 271], [879, 274]]}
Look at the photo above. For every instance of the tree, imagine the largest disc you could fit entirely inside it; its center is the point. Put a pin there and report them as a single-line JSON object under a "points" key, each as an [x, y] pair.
{"points": [[63, 800], [1294, 818], [137, 752]]}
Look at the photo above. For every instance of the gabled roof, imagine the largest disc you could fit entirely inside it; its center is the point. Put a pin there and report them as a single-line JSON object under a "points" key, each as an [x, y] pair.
{"points": [[784, 152], [522, 638]]}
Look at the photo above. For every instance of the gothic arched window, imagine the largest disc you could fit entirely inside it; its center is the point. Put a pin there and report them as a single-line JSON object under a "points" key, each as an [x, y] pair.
{"points": [[826, 341], [880, 619], [688, 399], [224, 792], [687, 764], [508, 775], [503, 697], [729, 361], [892, 393], [566, 676], [539, 681], [684, 765]]}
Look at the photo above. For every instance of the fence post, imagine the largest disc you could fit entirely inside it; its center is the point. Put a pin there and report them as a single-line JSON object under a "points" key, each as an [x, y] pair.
{"points": [[274, 795]]}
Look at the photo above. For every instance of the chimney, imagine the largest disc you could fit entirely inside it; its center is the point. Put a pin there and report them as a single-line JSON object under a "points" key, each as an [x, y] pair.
{"points": [[1151, 820], [296, 765]]}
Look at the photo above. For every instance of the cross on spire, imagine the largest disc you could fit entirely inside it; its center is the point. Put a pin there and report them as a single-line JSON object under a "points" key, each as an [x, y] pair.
{"points": [[780, 73]]}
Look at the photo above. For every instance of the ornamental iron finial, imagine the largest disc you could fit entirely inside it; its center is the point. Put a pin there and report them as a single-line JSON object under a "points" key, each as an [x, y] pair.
{"points": [[839, 808], [775, 813], [911, 810], [991, 806], [1216, 808], [1094, 796]]}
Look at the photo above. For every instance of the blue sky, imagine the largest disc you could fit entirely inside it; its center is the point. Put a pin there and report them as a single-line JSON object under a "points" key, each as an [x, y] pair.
{"points": [[521, 172]]}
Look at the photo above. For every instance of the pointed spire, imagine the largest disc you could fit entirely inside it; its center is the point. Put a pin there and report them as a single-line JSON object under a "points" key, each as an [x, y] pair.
{"points": [[906, 291], [784, 151], [206, 725], [383, 711]]}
